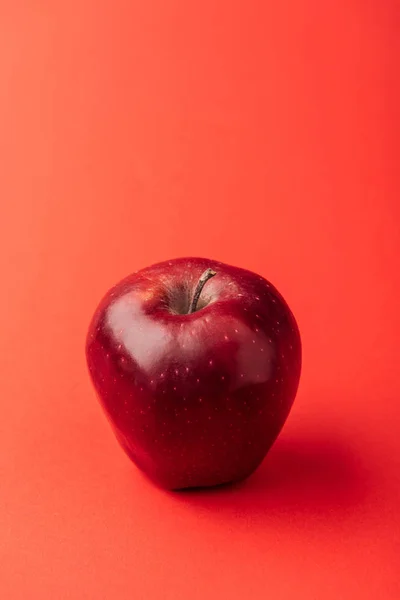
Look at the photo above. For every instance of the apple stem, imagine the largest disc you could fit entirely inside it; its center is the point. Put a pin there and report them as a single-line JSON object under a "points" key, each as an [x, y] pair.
{"points": [[201, 283]]}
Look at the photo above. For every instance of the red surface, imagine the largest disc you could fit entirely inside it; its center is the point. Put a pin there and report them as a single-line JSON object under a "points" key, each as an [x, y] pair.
{"points": [[260, 134]]}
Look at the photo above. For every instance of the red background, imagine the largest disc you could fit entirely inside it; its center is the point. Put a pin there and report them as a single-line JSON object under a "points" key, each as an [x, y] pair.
{"points": [[262, 134]]}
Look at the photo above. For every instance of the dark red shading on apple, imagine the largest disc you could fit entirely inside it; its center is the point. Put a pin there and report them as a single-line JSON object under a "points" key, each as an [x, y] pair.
{"points": [[195, 398]]}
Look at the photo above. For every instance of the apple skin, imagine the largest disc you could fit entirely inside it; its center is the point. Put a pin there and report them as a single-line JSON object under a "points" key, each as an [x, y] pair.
{"points": [[195, 399]]}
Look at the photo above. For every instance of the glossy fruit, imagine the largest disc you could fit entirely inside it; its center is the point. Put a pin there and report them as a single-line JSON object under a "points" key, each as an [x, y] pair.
{"points": [[195, 399]]}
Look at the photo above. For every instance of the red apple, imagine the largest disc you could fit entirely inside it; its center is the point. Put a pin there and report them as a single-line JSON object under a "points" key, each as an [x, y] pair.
{"points": [[196, 364]]}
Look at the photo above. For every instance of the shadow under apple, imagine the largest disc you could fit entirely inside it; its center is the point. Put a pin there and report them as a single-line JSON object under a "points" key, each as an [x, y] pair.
{"points": [[304, 473]]}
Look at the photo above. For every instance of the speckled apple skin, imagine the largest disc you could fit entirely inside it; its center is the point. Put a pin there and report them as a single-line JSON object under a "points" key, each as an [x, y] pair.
{"points": [[195, 399]]}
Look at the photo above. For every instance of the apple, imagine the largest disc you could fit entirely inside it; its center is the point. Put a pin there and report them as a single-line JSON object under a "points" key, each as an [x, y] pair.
{"points": [[196, 364]]}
